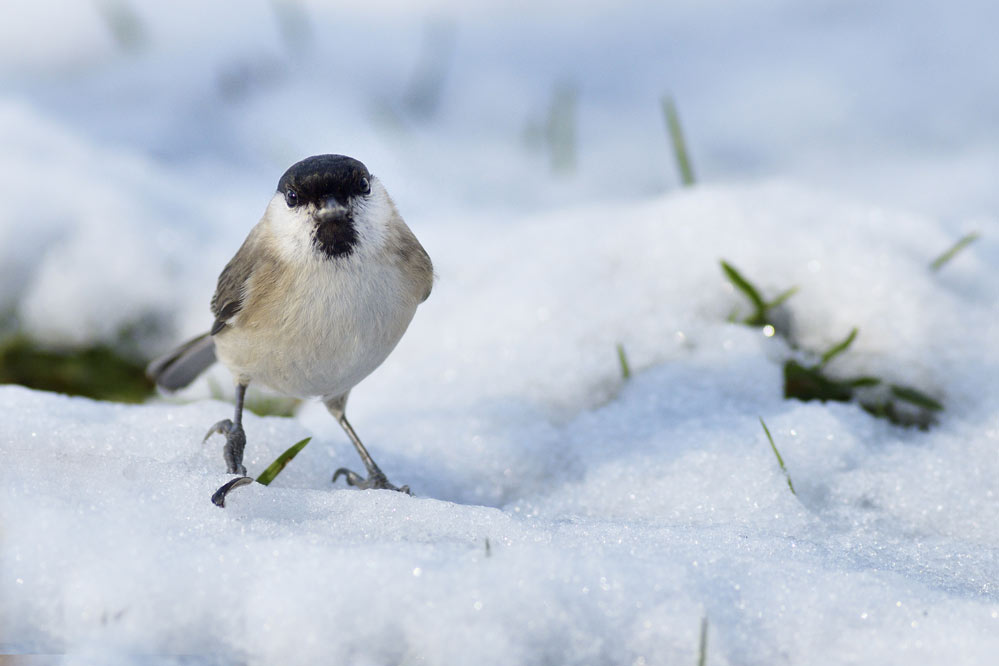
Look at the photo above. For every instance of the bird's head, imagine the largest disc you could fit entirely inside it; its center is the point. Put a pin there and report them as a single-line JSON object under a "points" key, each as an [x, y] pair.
{"points": [[330, 205]]}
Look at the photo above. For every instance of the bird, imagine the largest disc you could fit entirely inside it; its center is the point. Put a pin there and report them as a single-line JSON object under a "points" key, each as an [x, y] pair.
{"points": [[316, 298]]}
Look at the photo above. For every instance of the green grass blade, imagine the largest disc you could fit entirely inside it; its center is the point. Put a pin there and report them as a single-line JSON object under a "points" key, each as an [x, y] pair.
{"points": [[702, 653], [280, 462], [780, 461], [863, 382], [887, 410], [745, 286], [964, 242], [781, 298], [915, 397], [838, 348], [809, 383], [679, 144], [623, 360]]}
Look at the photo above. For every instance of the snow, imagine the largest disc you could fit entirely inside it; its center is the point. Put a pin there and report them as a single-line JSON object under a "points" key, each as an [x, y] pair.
{"points": [[561, 514]]}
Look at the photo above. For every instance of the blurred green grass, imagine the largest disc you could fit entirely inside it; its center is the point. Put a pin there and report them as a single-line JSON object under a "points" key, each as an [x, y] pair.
{"points": [[112, 372], [96, 371], [678, 142]]}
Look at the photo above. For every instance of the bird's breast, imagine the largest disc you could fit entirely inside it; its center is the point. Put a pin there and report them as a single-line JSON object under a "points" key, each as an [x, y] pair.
{"points": [[319, 331]]}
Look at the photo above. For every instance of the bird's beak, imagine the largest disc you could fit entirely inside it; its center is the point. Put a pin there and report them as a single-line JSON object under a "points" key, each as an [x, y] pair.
{"points": [[332, 211]]}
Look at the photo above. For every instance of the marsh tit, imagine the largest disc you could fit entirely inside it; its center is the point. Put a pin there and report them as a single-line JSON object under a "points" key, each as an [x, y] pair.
{"points": [[319, 294]]}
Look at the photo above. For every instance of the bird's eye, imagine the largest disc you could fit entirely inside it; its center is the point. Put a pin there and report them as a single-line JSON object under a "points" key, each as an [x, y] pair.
{"points": [[291, 198], [364, 186]]}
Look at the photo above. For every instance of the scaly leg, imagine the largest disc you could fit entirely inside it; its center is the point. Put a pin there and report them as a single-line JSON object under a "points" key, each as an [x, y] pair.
{"points": [[235, 438], [376, 477]]}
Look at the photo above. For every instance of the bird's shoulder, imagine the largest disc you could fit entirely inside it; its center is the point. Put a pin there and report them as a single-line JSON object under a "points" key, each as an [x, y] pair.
{"points": [[413, 258], [230, 292]]}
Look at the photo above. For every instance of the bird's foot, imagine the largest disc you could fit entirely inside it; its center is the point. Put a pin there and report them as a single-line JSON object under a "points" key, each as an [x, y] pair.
{"points": [[235, 442], [376, 479]]}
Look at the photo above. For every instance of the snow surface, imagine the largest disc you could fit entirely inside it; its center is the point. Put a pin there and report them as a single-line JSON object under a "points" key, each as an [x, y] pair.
{"points": [[562, 515]]}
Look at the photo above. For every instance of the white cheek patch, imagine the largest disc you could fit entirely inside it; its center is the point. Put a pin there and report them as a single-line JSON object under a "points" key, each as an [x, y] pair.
{"points": [[371, 217], [291, 229]]}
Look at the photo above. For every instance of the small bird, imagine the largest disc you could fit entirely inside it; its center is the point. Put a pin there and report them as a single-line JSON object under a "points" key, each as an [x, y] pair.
{"points": [[319, 294]]}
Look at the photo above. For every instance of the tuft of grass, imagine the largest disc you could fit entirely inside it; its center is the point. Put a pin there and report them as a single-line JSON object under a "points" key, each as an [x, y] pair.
{"points": [[780, 460], [807, 383], [622, 360], [679, 143], [555, 132], [125, 25], [560, 130], [702, 652], [901, 405], [281, 462], [425, 90], [98, 371], [761, 307], [294, 25], [951, 252], [810, 382], [241, 78]]}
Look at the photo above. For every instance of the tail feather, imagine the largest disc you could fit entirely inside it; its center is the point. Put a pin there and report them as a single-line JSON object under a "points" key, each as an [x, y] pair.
{"points": [[182, 366]]}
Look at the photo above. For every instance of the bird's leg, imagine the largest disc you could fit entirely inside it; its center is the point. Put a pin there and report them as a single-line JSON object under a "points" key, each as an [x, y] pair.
{"points": [[376, 477], [235, 438]]}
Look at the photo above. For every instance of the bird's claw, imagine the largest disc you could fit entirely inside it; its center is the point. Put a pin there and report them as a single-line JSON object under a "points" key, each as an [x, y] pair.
{"points": [[376, 480], [235, 442], [218, 498]]}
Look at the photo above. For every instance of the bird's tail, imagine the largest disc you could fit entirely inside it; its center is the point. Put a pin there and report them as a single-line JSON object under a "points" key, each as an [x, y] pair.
{"points": [[182, 366]]}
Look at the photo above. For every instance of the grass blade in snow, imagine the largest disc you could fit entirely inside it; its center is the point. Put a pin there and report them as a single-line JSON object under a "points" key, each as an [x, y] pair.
{"points": [[679, 144], [623, 360], [280, 462], [777, 302], [915, 397], [702, 653], [780, 461], [838, 348], [748, 290], [964, 242]]}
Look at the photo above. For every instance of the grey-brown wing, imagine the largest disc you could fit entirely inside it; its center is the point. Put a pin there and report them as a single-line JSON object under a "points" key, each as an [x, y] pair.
{"points": [[415, 260], [230, 292], [425, 270]]}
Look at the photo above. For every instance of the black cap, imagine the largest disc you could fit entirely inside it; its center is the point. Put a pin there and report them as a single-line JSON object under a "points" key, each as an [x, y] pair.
{"points": [[320, 177]]}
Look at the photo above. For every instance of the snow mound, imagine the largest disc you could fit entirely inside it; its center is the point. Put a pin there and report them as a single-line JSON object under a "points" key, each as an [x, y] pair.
{"points": [[562, 514]]}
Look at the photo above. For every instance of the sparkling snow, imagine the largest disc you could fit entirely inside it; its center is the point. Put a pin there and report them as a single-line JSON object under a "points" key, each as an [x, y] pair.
{"points": [[561, 515]]}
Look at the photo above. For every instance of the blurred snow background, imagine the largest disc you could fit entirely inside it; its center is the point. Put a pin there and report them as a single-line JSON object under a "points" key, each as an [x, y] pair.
{"points": [[839, 147]]}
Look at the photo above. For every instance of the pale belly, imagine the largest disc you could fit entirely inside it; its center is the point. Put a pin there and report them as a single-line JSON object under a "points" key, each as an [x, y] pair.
{"points": [[321, 337]]}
